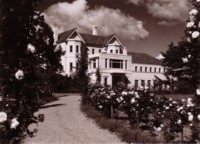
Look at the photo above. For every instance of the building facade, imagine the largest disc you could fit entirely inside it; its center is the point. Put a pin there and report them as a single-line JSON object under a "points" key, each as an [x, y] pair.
{"points": [[111, 57]]}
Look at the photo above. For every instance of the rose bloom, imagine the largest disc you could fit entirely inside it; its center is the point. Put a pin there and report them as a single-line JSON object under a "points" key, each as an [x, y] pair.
{"points": [[195, 34], [198, 116], [190, 24], [193, 12], [3, 117], [19, 75], [14, 123], [31, 48], [198, 91]]}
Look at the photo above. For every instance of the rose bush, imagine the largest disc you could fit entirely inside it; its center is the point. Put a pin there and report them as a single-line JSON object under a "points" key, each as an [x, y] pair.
{"points": [[143, 108]]}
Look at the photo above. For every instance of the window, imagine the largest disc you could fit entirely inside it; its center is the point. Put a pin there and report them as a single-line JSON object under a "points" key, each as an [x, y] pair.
{"points": [[136, 84], [145, 69], [126, 64], [121, 51], [149, 83], [136, 68], [94, 64], [116, 51], [155, 70], [70, 66], [159, 70], [99, 50], [116, 63], [92, 51], [141, 69], [77, 48], [77, 65], [71, 48], [150, 69], [111, 51], [105, 81], [142, 83], [106, 63]]}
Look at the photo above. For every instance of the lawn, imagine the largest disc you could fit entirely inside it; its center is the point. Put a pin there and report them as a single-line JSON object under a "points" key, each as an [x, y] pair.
{"points": [[177, 96]]}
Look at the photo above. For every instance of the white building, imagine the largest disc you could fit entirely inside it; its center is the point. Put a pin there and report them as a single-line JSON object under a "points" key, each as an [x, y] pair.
{"points": [[110, 55]]}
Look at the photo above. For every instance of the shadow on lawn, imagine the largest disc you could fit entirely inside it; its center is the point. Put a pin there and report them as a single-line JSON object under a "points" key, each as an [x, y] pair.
{"points": [[53, 105]]}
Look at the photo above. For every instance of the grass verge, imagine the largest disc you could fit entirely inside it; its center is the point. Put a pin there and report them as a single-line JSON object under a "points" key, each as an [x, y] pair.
{"points": [[119, 127]]}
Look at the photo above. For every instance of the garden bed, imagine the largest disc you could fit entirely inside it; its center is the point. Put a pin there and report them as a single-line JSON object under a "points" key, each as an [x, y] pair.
{"points": [[120, 127]]}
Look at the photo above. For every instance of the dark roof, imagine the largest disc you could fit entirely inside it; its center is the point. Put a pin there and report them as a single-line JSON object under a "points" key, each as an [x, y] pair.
{"points": [[144, 58], [93, 40], [64, 35]]}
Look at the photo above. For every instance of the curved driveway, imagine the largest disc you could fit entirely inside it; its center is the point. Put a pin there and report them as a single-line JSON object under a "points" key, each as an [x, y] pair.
{"points": [[65, 124]]}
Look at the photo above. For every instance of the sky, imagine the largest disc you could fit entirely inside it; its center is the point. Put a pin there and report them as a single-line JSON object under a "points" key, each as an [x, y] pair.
{"points": [[146, 26]]}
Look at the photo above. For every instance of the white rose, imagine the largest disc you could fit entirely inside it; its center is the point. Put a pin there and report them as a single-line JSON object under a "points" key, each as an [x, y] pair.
{"points": [[198, 0], [124, 93], [100, 106], [19, 75], [158, 129], [195, 34], [193, 12], [185, 60], [14, 123], [190, 24], [198, 116], [167, 108], [198, 91], [31, 48], [132, 100], [179, 121], [190, 117], [180, 108], [3, 117]]}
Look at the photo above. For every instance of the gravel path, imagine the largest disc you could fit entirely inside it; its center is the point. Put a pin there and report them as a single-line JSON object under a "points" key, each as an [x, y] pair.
{"points": [[65, 124]]}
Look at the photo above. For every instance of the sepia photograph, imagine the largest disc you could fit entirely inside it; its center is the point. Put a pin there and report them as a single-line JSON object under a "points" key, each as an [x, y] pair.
{"points": [[99, 71]]}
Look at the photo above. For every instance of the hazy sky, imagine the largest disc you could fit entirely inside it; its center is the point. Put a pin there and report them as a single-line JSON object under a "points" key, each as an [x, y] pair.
{"points": [[142, 25]]}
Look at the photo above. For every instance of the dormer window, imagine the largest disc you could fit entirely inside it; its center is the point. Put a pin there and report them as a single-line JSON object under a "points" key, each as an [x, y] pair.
{"points": [[116, 51]]}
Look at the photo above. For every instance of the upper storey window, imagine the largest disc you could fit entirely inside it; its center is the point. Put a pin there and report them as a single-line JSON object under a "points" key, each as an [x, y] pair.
{"points": [[70, 48], [77, 48], [111, 51], [116, 51], [116, 64], [92, 51]]}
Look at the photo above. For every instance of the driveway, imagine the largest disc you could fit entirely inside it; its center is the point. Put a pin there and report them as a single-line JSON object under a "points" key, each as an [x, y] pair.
{"points": [[65, 123]]}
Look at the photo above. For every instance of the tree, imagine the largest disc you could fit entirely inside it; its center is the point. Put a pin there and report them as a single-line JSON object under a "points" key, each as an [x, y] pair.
{"points": [[98, 75], [81, 73], [30, 57], [182, 61]]}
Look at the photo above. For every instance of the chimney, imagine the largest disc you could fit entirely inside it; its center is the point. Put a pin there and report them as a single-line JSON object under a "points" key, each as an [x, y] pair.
{"points": [[94, 30]]}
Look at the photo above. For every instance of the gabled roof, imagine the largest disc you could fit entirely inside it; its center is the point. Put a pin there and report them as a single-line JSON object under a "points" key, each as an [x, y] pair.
{"points": [[89, 39], [144, 58], [95, 40], [64, 35]]}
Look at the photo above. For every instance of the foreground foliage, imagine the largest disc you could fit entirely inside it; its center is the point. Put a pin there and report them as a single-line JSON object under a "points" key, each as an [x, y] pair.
{"points": [[29, 59]]}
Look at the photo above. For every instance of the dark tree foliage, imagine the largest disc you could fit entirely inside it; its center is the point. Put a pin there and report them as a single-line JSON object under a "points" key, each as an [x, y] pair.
{"points": [[22, 27], [98, 75], [182, 61], [81, 75]]}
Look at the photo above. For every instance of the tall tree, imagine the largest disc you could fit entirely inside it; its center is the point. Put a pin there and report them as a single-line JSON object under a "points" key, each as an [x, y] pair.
{"points": [[30, 57], [81, 75], [182, 61]]}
